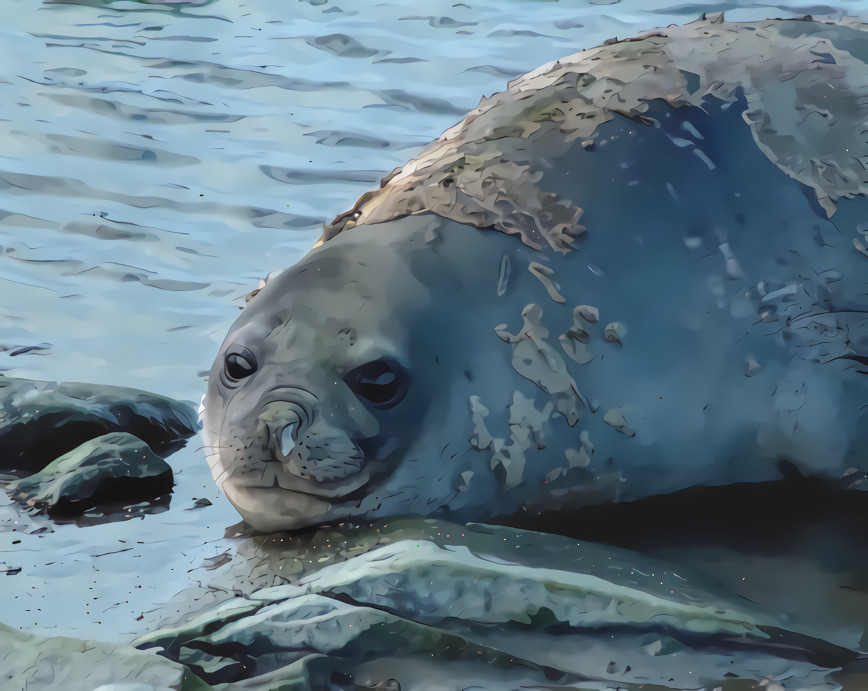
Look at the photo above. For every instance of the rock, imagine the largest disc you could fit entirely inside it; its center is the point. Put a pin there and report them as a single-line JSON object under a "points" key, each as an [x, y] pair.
{"points": [[111, 468], [40, 421], [29, 661], [491, 607]]}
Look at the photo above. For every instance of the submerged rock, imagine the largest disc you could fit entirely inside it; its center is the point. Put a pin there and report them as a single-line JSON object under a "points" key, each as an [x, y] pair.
{"points": [[40, 421], [109, 469], [29, 661]]}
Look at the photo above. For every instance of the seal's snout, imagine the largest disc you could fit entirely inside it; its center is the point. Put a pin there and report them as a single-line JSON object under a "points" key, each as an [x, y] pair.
{"points": [[284, 420], [311, 448]]}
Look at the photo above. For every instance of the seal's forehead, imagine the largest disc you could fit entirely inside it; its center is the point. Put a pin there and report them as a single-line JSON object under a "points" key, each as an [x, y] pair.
{"points": [[327, 283], [346, 293], [376, 264]]}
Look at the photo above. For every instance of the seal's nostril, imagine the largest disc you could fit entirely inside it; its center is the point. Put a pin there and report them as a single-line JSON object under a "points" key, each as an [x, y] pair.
{"points": [[287, 438]]}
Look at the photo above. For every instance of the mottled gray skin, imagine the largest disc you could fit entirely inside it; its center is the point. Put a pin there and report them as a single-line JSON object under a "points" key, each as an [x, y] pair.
{"points": [[704, 325]]}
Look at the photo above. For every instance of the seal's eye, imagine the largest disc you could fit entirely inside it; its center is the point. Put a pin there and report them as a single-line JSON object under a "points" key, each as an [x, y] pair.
{"points": [[239, 365], [381, 383]]}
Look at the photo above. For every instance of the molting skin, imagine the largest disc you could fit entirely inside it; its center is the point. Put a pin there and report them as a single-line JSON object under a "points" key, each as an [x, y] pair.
{"points": [[639, 269]]}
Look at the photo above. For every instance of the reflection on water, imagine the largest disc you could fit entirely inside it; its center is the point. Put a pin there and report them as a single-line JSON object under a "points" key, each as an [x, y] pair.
{"points": [[159, 158]]}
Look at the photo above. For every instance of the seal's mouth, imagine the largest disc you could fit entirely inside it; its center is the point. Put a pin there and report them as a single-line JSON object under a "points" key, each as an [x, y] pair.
{"points": [[275, 475]]}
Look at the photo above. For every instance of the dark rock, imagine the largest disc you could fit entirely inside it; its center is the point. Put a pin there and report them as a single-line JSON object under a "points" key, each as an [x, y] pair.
{"points": [[40, 421], [109, 469]]}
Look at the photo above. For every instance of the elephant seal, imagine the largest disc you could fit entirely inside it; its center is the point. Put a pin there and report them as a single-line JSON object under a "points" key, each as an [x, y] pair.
{"points": [[639, 269]]}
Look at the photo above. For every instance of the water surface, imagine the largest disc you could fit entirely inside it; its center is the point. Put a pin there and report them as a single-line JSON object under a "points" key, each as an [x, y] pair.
{"points": [[160, 158]]}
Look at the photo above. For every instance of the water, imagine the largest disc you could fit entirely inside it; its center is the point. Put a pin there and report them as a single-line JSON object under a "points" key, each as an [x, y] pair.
{"points": [[160, 158]]}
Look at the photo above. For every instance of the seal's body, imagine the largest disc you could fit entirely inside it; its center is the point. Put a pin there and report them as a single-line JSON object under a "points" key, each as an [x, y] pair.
{"points": [[639, 269]]}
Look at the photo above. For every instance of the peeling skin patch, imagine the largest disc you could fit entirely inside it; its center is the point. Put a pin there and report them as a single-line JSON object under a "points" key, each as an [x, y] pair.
{"points": [[503, 276], [526, 431], [478, 190], [615, 418], [481, 438], [577, 459], [751, 366], [489, 170], [535, 360], [615, 332], [586, 312], [575, 340], [545, 275]]}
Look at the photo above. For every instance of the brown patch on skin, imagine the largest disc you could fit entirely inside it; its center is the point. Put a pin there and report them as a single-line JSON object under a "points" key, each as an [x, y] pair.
{"points": [[253, 293], [489, 170]]}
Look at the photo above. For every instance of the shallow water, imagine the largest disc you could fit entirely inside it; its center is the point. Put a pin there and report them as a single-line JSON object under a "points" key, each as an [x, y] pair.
{"points": [[160, 158]]}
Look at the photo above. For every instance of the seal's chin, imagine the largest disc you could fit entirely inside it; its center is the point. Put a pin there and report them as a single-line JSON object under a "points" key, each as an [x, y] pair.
{"points": [[274, 499], [270, 509]]}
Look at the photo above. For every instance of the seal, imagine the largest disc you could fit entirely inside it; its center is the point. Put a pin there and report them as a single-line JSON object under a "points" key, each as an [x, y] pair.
{"points": [[639, 269]]}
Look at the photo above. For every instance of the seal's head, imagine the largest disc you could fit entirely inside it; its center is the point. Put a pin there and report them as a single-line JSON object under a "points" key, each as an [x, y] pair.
{"points": [[321, 396]]}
